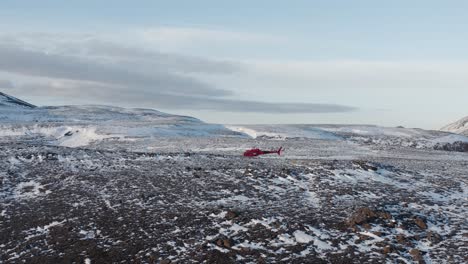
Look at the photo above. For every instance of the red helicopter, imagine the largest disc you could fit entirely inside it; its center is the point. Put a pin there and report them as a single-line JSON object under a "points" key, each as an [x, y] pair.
{"points": [[257, 152]]}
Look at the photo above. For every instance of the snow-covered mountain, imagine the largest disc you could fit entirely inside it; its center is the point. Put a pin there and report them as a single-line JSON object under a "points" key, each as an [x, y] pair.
{"points": [[361, 134], [75, 126], [459, 127], [144, 129], [10, 101]]}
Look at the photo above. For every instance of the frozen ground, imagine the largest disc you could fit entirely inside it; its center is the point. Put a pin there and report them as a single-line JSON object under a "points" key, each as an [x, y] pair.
{"points": [[325, 201], [110, 185]]}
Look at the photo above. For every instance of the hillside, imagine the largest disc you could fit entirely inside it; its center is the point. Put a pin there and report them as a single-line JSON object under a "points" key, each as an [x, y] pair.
{"points": [[459, 127], [87, 125], [10, 101]]}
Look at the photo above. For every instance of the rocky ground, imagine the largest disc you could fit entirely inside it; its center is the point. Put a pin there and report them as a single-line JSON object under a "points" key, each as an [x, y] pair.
{"points": [[71, 205]]}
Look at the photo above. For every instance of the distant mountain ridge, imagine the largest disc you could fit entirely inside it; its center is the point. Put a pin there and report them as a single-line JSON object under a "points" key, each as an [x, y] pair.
{"points": [[85, 125], [458, 127], [10, 101], [17, 110]]}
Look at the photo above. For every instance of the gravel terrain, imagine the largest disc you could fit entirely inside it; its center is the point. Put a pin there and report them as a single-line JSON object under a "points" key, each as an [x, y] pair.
{"points": [[197, 200]]}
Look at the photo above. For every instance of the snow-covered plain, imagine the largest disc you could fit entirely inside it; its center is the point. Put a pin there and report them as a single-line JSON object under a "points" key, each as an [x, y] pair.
{"points": [[98, 184], [363, 134]]}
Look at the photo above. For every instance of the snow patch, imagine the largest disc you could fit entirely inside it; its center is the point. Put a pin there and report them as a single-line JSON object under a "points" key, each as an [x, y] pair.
{"points": [[302, 237], [30, 189], [66, 136]]}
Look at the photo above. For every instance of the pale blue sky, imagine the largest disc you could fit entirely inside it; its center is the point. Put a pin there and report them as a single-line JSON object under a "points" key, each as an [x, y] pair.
{"points": [[381, 62]]}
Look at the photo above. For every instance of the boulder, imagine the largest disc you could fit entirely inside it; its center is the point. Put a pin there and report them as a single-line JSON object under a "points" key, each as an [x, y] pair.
{"points": [[420, 223], [417, 256], [231, 215]]}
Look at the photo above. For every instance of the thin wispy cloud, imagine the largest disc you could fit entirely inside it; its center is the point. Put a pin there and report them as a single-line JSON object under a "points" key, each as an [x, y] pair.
{"points": [[169, 61], [166, 37], [362, 75]]}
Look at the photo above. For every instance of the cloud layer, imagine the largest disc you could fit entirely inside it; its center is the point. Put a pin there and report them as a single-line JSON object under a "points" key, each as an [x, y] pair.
{"points": [[101, 70], [39, 64], [5, 84]]}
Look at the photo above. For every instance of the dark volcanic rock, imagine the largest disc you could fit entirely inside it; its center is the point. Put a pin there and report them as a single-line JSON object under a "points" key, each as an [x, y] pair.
{"points": [[366, 166], [458, 146], [216, 257], [420, 223], [417, 256], [388, 249], [225, 242], [364, 216], [433, 237], [231, 215], [361, 216]]}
